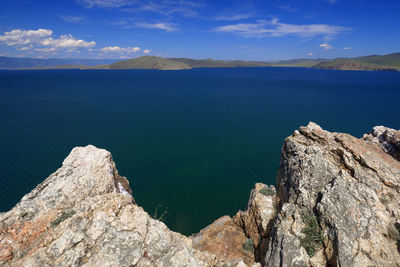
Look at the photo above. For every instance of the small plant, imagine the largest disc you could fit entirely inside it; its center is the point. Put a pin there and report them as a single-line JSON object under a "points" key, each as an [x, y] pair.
{"points": [[162, 216], [384, 200], [312, 233], [248, 245], [267, 191], [63, 216]]}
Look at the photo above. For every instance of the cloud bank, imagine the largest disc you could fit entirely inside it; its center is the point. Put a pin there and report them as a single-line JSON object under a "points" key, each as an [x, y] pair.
{"points": [[42, 40], [275, 28], [105, 3], [185, 8]]}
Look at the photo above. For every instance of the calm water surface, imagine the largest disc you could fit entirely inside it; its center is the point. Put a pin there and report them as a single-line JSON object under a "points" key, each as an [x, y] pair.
{"points": [[193, 141]]}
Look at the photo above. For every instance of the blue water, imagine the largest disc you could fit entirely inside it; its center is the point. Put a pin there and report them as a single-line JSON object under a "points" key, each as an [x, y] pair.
{"points": [[193, 141]]}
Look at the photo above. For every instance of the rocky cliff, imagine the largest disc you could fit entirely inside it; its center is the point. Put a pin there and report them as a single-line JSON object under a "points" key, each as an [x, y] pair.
{"points": [[336, 203], [84, 215]]}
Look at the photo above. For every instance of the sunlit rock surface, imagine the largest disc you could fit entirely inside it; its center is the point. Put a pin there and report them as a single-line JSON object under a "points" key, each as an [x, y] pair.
{"points": [[84, 215], [336, 203], [339, 200]]}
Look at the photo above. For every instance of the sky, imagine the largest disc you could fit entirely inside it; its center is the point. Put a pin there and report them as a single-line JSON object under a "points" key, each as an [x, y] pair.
{"points": [[218, 29]]}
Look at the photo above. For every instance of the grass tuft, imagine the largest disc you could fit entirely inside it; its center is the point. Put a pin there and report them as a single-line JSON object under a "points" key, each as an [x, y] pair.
{"points": [[312, 233], [162, 216], [249, 245], [266, 191], [63, 216]]}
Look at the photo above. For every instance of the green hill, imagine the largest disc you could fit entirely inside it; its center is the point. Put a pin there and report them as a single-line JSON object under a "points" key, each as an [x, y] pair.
{"points": [[392, 60], [211, 63], [350, 64], [302, 62], [149, 62], [389, 62]]}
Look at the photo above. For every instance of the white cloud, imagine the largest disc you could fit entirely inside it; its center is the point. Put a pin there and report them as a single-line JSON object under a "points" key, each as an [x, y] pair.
{"points": [[120, 52], [25, 48], [45, 50], [106, 3], [111, 49], [167, 8], [117, 49], [185, 8], [346, 48], [310, 54], [326, 46], [21, 37], [71, 19], [234, 17], [41, 40], [66, 41], [162, 26], [274, 28]]}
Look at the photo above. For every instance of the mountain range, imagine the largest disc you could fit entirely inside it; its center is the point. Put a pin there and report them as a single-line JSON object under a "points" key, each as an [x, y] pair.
{"points": [[390, 62]]}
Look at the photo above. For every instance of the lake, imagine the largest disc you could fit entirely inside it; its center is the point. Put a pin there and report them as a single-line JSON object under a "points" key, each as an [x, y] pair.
{"points": [[193, 141]]}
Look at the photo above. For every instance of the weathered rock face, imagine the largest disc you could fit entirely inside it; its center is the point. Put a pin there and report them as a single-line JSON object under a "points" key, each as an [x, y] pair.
{"points": [[336, 203], [339, 200], [84, 214], [226, 240], [257, 219], [388, 139]]}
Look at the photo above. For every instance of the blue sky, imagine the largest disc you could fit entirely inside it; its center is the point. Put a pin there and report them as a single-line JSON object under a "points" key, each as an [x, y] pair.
{"points": [[253, 30]]}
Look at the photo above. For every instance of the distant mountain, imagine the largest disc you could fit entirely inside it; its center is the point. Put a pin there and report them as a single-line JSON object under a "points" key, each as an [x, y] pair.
{"points": [[389, 62], [379, 63], [149, 62], [302, 62], [158, 63], [352, 64], [211, 63], [392, 60], [19, 63]]}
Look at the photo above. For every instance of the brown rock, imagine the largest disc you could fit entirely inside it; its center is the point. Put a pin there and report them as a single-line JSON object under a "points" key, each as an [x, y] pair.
{"points": [[261, 209], [224, 239], [6, 252], [388, 139]]}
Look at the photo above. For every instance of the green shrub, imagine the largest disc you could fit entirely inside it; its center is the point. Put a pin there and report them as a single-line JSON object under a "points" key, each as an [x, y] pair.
{"points": [[63, 216], [312, 233], [249, 245], [266, 191]]}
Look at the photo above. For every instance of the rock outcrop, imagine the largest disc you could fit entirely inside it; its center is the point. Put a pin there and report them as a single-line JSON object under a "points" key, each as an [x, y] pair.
{"points": [[388, 139], [339, 201], [226, 240], [84, 215], [257, 219], [336, 203]]}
